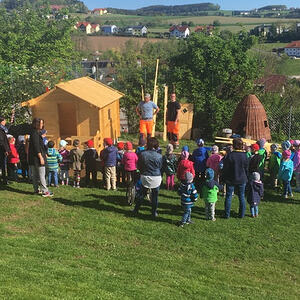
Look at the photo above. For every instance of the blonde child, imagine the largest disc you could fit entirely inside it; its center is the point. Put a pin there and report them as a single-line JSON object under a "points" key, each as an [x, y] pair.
{"points": [[213, 162]]}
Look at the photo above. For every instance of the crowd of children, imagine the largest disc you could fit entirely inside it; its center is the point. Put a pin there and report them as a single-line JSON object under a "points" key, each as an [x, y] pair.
{"points": [[200, 172]]}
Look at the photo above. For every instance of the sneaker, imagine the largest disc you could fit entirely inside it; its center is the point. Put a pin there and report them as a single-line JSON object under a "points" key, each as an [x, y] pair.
{"points": [[78, 186], [213, 219], [180, 224], [285, 196], [47, 194], [291, 195], [189, 222]]}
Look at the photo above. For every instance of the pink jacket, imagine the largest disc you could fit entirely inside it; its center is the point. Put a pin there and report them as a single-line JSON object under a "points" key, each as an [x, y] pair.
{"points": [[213, 162], [129, 161], [296, 161], [185, 166], [13, 156]]}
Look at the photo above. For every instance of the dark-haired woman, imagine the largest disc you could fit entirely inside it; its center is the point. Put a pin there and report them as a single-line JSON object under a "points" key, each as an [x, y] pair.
{"points": [[150, 164], [235, 175], [37, 158], [4, 149]]}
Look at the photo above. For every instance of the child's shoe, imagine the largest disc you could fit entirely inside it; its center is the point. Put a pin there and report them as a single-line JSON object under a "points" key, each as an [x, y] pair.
{"points": [[62, 182], [180, 224], [285, 196], [47, 194], [213, 219], [189, 222], [291, 195]]}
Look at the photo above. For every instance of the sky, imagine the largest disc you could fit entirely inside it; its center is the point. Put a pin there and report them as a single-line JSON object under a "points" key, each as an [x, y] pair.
{"points": [[225, 4]]}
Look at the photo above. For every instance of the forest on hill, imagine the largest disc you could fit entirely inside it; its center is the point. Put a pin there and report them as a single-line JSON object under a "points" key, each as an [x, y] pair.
{"points": [[72, 5], [170, 10]]}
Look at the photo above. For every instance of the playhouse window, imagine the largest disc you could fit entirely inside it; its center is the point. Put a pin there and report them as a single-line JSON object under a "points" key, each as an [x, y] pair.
{"points": [[266, 123], [109, 114]]}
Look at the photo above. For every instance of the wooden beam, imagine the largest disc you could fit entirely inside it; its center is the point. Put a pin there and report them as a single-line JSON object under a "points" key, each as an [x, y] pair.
{"points": [[155, 96], [165, 113]]}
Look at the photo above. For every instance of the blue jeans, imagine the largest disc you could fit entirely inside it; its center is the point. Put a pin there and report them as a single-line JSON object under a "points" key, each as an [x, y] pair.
{"points": [[53, 174], [287, 189], [241, 195], [254, 210], [154, 199], [186, 215]]}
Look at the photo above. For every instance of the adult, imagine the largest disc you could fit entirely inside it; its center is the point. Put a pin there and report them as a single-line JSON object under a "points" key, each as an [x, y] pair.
{"points": [[173, 108], [150, 164], [37, 158], [4, 149], [235, 175], [145, 112]]}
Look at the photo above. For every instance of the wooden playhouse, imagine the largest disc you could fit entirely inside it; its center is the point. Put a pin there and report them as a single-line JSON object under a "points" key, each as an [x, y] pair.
{"points": [[79, 109]]}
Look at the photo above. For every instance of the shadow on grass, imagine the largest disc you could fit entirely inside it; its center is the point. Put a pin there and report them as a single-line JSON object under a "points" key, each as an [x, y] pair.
{"points": [[116, 200], [11, 189], [271, 197]]}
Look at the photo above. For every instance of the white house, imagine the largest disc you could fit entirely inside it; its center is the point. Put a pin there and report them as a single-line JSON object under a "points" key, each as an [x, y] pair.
{"points": [[140, 30], [179, 31], [293, 49], [109, 29]]}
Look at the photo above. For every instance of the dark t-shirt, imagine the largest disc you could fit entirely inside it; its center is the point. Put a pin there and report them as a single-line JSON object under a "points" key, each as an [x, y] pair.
{"points": [[172, 110]]}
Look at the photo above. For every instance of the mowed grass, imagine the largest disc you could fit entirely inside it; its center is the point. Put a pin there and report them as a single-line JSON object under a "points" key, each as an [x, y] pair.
{"points": [[84, 244]]}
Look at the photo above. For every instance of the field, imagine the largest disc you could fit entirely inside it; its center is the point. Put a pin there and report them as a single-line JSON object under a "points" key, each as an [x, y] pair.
{"points": [[85, 244]]}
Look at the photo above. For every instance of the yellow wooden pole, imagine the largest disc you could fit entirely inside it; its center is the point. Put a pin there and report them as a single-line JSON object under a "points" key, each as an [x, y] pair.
{"points": [[155, 95], [142, 92], [165, 113]]}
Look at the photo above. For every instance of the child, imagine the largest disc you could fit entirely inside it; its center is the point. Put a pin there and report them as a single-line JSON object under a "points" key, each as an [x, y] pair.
{"points": [[23, 156], [120, 167], [53, 158], [184, 166], [199, 157], [213, 162], [248, 150], [255, 159], [188, 194], [44, 134], [255, 193], [286, 172], [64, 165], [169, 166], [75, 158], [129, 162], [210, 191], [262, 152], [296, 161], [274, 163], [110, 162], [141, 147], [89, 157], [12, 160]]}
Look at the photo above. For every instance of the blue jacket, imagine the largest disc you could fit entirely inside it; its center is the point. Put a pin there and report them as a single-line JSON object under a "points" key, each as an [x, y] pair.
{"points": [[199, 157], [188, 194], [235, 169], [110, 156], [286, 170], [255, 192], [150, 163]]}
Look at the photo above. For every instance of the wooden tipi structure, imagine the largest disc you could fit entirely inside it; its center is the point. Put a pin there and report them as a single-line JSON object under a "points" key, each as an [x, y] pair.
{"points": [[250, 119]]}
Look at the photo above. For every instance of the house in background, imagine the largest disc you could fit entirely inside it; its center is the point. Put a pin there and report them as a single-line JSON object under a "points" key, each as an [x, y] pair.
{"points": [[293, 49], [179, 31], [272, 83], [81, 109], [99, 11], [208, 30], [109, 29], [140, 30], [87, 27]]}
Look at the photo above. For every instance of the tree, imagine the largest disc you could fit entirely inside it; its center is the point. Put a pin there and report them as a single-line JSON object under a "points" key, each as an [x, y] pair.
{"points": [[217, 23], [214, 74], [35, 53]]}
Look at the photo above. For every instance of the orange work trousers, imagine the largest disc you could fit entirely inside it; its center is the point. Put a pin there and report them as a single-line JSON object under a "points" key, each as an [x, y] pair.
{"points": [[173, 131], [146, 127]]}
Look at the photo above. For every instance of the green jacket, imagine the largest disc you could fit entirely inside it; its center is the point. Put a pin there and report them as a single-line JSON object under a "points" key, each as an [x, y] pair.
{"points": [[210, 194]]}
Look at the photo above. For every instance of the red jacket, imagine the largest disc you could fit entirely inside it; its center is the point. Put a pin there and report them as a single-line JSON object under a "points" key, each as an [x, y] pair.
{"points": [[184, 167], [13, 156]]}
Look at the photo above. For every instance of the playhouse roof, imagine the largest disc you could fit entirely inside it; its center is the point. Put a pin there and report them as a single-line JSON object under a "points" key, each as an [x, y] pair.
{"points": [[251, 117], [86, 89]]}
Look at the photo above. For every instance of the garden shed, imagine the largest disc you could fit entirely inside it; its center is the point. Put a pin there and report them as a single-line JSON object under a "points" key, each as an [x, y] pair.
{"points": [[250, 119], [81, 109]]}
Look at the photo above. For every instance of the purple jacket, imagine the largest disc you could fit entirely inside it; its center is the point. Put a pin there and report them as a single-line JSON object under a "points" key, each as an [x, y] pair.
{"points": [[110, 156]]}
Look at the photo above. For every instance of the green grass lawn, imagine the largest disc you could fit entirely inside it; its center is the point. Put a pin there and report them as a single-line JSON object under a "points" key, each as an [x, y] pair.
{"points": [[84, 244]]}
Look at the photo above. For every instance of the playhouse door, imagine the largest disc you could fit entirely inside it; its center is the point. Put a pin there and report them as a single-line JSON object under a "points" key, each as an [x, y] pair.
{"points": [[67, 119]]}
